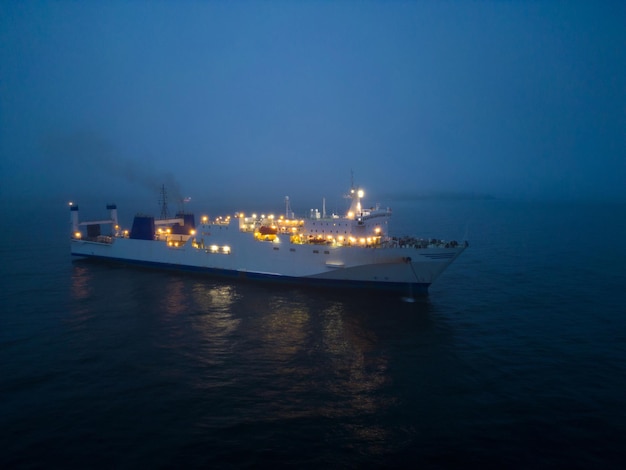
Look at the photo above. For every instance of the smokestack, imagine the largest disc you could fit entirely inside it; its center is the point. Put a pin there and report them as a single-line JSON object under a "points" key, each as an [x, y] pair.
{"points": [[74, 219], [113, 209]]}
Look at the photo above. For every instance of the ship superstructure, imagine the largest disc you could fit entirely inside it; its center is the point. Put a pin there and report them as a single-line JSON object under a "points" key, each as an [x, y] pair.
{"points": [[353, 250]]}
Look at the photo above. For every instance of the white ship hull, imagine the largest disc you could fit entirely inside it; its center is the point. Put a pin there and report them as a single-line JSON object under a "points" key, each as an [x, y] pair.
{"points": [[397, 269], [350, 251]]}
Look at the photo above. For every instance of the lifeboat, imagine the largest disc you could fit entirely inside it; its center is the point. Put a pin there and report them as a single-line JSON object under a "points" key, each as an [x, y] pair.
{"points": [[265, 230], [266, 233]]}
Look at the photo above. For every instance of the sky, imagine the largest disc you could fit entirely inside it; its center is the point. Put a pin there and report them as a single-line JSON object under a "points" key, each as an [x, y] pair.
{"points": [[253, 101]]}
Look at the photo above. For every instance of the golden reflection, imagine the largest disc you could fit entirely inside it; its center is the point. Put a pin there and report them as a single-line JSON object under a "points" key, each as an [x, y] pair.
{"points": [[82, 290], [284, 330], [215, 320], [219, 296], [175, 297], [296, 356], [350, 350], [319, 349], [81, 282]]}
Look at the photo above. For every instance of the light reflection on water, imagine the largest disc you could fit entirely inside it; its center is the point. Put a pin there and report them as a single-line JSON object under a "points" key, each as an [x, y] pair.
{"points": [[518, 347], [283, 356], [81, 285], [254, 358]]}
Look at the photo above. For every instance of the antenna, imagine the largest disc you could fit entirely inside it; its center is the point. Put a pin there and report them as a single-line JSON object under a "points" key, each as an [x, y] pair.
{"points": [[163, 202], [182, 202]]}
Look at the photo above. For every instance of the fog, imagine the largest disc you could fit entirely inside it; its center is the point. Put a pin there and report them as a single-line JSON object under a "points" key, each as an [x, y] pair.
{"points": [[244, 103]]}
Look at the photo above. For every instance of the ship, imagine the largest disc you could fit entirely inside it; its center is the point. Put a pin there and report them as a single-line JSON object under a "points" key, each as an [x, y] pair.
{"points": [[353, 250]]}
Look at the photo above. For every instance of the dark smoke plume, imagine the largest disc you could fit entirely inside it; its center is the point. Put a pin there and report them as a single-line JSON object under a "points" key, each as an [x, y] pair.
{"points": [[90, 153]]}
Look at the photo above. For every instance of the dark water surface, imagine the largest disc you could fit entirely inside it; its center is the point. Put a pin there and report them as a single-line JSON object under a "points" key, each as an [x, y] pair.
{"points": [[516, 359]]}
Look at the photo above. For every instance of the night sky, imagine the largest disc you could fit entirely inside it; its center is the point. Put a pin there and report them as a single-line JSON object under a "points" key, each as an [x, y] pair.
{"points": [[252, 101]]}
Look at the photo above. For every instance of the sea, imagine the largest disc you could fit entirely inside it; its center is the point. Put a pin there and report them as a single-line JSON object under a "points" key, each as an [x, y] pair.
{"points": [[515, 359]]}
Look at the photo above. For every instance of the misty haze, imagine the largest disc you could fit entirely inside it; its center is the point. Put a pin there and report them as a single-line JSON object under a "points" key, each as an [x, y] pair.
{"points": [[231, 102], [394, 237]]}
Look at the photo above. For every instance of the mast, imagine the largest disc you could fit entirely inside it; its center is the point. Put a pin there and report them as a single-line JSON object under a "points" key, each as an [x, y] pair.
{"points": [[288, 211], [163, 202]]}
